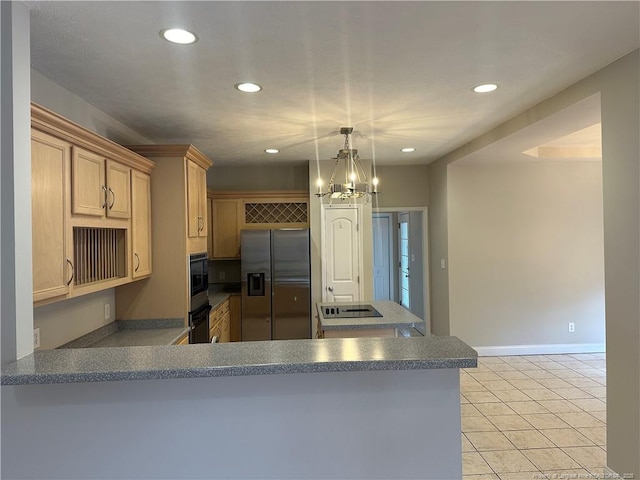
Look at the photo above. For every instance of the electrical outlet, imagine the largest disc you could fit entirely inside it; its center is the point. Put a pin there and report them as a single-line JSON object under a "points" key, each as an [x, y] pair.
{"points": [[572, 327], [442, 263], [107, 311], [36, 338], [222, 275]]}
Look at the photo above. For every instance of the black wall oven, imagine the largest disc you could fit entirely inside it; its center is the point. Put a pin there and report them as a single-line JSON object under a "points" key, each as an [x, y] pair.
{"points": [[199, 307]]}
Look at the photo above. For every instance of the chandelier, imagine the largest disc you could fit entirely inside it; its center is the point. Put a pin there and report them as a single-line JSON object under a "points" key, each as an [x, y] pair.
{"points": [[356, 184]]}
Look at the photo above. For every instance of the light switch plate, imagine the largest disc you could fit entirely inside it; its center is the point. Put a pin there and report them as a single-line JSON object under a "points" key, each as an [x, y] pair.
{"points": [[107, 311], [36, 338]]}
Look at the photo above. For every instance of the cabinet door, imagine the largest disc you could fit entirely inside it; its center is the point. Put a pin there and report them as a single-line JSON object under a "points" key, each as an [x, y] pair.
{"points": [[209, 228], [235, 301], [194, 220], [89, 189], [226, 238], [118, 182], [141, 223], [50, 158], [202, 202]]}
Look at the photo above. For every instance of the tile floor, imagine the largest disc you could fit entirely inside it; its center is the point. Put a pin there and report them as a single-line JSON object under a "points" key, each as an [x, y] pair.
{"points": [[534, 417]]}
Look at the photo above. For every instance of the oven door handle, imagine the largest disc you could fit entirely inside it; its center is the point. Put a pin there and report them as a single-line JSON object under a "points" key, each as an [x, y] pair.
{"points": [[214, 339]]}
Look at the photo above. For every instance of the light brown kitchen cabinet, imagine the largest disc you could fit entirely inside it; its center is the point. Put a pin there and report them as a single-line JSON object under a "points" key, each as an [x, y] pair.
{"points": [[100, 186], [235, 305], [225, 215], [196, 200], [210, 228], [183, 341], [219, 323], [52, 267], [81, 208], [141, 224]]}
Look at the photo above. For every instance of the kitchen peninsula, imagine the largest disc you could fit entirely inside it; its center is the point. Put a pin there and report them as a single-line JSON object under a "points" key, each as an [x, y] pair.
{"points": [[331, 408]]}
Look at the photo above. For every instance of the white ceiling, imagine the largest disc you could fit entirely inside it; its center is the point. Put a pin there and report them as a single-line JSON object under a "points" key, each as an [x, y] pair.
{"points": [[400, 73]]}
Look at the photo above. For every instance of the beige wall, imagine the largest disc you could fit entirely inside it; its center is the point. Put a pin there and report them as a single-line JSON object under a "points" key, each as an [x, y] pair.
{"points": [[402, 186], [620, 102], [258, 177], [64, 321], [526, 255]]}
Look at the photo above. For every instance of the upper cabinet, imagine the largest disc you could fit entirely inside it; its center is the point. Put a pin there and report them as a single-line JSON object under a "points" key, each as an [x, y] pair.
{"points": [[84, 233], [141, 224], [231, 212], [49, 202], [100, 187], [196, 200]]}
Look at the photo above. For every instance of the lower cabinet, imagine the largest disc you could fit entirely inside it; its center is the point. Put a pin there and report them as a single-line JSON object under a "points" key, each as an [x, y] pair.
{"points": [[235, 314], [219, 323]]}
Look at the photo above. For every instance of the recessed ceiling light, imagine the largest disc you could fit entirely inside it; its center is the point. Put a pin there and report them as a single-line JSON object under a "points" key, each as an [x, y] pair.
{"points": [[487, 87], [408, 150], [248, 87], [179, 36], [272, 150]]}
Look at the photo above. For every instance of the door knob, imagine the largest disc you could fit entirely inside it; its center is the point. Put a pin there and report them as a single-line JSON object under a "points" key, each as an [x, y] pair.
{"points": [[330, 289]]}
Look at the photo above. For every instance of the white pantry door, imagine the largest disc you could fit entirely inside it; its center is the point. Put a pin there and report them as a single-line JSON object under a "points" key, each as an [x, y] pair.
{"points": [[381, 256], [341, 255]]}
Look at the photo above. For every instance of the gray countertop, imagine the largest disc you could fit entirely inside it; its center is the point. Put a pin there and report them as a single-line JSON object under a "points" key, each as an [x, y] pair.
{"points": [[393, 316], [244, 358]]}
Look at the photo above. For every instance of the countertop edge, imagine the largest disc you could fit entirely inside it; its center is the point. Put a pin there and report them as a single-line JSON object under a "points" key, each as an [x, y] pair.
{"points": [[251, 358]]}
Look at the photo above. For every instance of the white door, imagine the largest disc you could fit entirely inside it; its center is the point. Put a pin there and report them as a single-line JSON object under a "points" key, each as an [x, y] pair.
{"points": [[381, 257], [341, 255], [403, 255]]}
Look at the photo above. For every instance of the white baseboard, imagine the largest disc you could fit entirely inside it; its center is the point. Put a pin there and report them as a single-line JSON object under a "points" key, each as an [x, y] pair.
{"points": [[556, 348], [608, 473]]}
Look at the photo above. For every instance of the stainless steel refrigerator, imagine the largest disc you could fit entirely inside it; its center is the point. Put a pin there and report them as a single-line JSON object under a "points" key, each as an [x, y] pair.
{"points": [[276, 284]]}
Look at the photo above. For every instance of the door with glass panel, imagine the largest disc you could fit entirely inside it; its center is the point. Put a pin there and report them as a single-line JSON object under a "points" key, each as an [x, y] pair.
{"points": [[403, 255]]}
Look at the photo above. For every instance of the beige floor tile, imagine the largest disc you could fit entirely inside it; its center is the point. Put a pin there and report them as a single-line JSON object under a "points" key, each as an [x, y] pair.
{"points": [[468, 410], [489, 375], [477, 424], [505, 461], [521, 476], [541, 394], [590, 404], [482, 476], [550, 459], [488, 409], [554, 383], [582, 356], [530, 406], [481, 397], [596, 363], [515, 359], [536, 375], [493, 360], [602, 416], [463, 399], [496, 385], [574, 473], [567, 437], [573, 364], [583, 382], [590, 457], [473, 463], [524, 439], [466, 445], [598, 392], [528, 384], [597, 435], [501, 367], [485, 441], [554, 366], [558, 406], [566, 373], [582, 419], [514, 375], [509, 422], [511, 395], [472, 386], [546, 420], [530, 367], [571, 393]]}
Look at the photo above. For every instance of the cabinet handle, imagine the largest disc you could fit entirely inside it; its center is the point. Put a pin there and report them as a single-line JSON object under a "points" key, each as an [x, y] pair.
{"points": [[73, 272], [138, 264], [104, 204], [113, 197]]}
